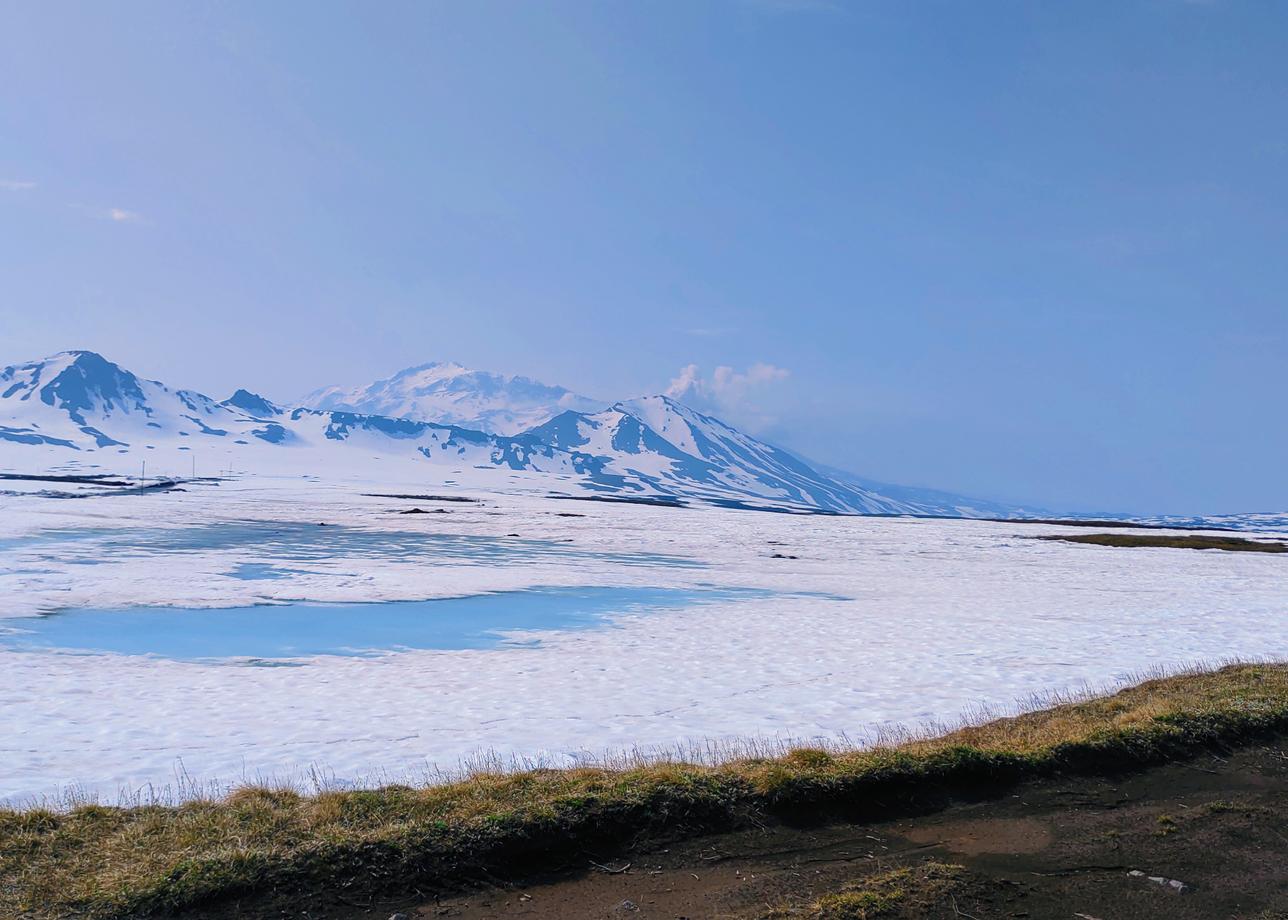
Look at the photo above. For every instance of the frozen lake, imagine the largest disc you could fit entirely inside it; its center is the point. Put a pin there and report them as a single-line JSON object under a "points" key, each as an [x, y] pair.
{"points": [[304, 541], [291, 631], [634, 626]]}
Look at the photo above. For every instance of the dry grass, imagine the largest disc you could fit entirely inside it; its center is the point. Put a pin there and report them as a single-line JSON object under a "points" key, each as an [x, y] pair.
{"points": [[906, 892], [95, 861]]}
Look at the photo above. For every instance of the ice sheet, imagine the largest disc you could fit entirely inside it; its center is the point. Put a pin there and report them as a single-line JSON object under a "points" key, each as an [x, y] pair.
{"points": [[937, 617]]}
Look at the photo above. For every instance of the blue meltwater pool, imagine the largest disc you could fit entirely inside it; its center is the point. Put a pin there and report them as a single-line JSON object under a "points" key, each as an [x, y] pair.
{"points": [[305, 630]]}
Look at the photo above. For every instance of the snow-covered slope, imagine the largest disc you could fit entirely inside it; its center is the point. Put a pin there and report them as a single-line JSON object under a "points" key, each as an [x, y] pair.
{"points": [[450, 394], [933, 501], [676, 449], [77, 411]]}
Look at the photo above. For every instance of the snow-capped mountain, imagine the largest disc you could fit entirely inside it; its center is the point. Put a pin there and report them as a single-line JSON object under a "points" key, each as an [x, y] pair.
{"points": [[77, 410], [681, 451], [79, 400], [450, 394], [92, 411]]}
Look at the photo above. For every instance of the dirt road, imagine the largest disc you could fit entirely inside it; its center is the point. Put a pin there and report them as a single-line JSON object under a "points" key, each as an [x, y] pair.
{"points": [[1217, 827]]}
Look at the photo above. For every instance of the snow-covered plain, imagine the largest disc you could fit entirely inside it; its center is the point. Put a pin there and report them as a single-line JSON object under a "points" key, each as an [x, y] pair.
{"points": [[877, 622]]}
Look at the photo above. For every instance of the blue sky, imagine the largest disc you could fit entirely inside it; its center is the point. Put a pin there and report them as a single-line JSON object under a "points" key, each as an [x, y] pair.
{"points": [[1026, 250]]}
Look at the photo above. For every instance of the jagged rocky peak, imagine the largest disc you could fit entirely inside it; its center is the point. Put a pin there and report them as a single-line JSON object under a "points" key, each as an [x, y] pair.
{"points": [[252, 403]]}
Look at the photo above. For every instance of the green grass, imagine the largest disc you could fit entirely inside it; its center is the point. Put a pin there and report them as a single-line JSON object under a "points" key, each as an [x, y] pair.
{"points": [[1174, 541], [894, 893], [106, 862]]}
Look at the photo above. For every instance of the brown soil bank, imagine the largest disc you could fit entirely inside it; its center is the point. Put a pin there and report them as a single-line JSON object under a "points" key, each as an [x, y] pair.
{"points": [[274, 853], [1206, 838]]}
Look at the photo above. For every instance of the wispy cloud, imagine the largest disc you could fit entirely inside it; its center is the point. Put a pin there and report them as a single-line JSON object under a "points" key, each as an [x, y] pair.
{"points": [[739, 397], [115, 215], [16, 185]]}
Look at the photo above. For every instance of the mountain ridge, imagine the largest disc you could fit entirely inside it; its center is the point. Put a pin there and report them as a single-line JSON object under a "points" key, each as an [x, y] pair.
{"points": [[88, 411]]}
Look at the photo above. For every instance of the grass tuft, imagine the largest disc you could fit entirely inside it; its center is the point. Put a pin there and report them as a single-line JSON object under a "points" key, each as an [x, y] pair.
{"points": [[897, 892], [103, 862]]}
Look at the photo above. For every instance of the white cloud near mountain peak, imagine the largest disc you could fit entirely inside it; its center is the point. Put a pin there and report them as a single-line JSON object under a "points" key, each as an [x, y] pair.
{"points": [[738, 395]]}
